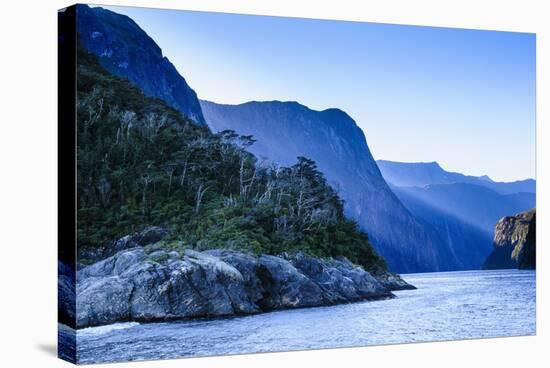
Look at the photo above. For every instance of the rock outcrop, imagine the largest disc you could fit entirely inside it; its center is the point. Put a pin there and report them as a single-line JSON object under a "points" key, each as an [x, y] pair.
{"points": [[147, 236], [514, 242], [153, 284]]}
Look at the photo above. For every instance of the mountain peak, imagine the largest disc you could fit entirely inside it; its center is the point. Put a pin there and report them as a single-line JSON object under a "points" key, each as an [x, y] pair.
{"points": [[333, 117], [486, 178], [285, 130], [418, 165], [337, 113], [127, 51]]}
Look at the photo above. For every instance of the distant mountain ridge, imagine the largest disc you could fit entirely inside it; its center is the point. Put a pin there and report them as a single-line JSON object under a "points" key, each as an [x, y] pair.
{"points": [[464, 209], [476, 205], [125, 50], [419, 174], [285, 130]]}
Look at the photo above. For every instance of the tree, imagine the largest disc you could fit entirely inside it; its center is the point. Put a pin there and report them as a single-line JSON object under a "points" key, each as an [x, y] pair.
{"points": [[132, 147]]}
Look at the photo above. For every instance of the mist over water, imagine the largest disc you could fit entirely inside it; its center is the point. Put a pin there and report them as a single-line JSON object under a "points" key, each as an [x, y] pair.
{"points": [[446, 306]]}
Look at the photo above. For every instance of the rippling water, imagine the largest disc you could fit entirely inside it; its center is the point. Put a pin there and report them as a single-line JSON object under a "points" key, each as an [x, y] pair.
{"points": [[446, 306]]}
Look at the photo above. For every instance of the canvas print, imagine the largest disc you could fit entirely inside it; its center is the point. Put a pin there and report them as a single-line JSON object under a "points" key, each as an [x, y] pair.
{"points": [[236, 184]]}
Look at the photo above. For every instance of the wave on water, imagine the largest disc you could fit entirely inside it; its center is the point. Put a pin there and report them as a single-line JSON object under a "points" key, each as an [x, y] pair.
{"points": [[100, 330]]}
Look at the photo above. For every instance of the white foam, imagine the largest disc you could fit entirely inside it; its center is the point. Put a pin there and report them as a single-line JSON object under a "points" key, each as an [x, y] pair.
{"points": [[100, 330]]}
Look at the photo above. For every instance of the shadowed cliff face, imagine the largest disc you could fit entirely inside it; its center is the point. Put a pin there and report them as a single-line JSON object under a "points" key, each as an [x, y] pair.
{"points": [[514, 242], [125, 50], [285, 130], [468, 243]]}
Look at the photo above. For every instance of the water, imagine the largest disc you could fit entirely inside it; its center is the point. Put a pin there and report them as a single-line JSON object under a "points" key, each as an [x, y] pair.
{"points": [[446, 306]]}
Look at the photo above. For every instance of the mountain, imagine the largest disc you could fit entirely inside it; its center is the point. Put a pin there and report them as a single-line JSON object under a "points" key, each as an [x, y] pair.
{"points": [[469, 244], [126, 51], [142, 164], [463, 209], [419, 174], [514, 242], [285, 130], [475, 205]]}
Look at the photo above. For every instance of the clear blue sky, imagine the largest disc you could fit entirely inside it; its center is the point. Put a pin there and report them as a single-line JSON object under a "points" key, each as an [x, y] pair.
{"points": [[463, 98]]}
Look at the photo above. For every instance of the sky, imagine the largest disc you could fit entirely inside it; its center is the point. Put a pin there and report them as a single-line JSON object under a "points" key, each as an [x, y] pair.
{"points": [[463, 98]]}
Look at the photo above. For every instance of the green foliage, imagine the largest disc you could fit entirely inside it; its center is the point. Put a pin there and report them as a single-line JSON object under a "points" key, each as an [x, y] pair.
{"points": [[142, 163]]}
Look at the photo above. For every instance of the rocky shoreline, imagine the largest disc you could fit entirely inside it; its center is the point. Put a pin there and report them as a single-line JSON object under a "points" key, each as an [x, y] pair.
{"points": [[147, 284]]}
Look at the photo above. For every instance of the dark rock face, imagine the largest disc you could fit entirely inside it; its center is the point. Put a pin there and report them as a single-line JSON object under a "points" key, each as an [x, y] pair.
{"points": [[285, 130], [143, 285], [149, 235], [285, 286], [125, 50], [514, 242], [393, 281], [527, 255], [341, 280]]}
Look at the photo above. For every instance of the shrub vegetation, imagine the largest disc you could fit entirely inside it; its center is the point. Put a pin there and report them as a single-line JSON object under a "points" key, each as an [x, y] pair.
{"points": [[142, 163]]}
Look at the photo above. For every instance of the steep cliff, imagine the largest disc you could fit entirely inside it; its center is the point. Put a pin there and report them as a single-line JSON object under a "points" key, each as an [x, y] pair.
{"points": [[285, 130], [125, 50], [469, 244], [514, 242]]}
